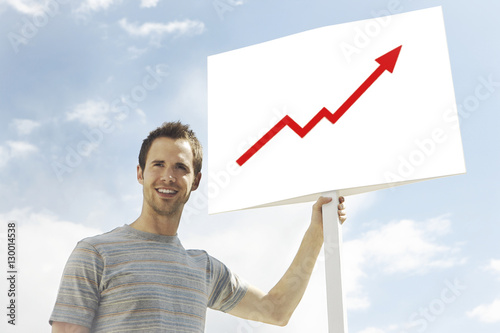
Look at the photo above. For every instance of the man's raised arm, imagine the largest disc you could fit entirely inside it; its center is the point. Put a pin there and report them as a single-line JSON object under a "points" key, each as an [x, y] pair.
{"points": [[277, 306]]}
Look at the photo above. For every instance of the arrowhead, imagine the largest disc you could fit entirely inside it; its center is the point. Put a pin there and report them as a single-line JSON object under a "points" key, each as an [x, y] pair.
{"points": [[388, 60]]}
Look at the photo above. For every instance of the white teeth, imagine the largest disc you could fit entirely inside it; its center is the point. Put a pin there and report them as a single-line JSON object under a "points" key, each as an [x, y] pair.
{"points": [[162, 190]]}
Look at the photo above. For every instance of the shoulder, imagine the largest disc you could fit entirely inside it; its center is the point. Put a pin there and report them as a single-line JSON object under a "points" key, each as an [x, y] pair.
{"points": [[201, 258], [114, 235], [100, 244]]}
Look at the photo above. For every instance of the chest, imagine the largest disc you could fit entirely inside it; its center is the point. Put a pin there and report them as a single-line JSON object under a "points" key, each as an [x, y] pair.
{"points": [[162, 276]]}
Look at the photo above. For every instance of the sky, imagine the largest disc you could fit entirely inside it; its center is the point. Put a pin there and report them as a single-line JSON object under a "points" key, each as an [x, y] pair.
{"points": [[84, 82]]}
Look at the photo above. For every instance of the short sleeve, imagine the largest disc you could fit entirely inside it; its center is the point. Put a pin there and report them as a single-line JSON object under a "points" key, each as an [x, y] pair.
{"points": [[227, 288], [78, 297]]}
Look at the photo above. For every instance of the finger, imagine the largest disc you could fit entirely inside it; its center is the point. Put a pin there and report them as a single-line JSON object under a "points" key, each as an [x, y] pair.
{"points": [[321, 201], [341, 206], [341, 199], [342, 216]]}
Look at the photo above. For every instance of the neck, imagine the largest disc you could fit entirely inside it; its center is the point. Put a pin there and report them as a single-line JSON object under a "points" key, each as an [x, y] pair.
{"points": [[157, 224]]}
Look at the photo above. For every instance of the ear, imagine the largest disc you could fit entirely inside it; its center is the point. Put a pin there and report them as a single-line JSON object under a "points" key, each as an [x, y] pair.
{"points": [[196, 182], [140, 176]]}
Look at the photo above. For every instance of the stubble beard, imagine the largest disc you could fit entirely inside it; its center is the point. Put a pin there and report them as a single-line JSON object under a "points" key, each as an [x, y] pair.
{"points": [[172, 209]]}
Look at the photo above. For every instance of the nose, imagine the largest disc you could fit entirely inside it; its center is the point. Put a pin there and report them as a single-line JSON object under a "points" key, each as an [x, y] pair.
{"points": [[169, 176]]}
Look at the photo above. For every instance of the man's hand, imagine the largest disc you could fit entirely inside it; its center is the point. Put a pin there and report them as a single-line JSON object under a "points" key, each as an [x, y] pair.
{"points": [[317, 215]]}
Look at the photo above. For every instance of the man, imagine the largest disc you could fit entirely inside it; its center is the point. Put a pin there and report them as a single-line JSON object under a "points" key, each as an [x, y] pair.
{"points": [[139, 278]]}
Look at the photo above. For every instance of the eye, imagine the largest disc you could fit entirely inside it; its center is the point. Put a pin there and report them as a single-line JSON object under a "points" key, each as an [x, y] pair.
{"points": [[158, 164], [182, 167]]}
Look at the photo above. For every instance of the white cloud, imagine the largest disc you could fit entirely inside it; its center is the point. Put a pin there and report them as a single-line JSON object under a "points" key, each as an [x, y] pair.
{"points": [[494, 267], [486, 313], [372, 330], [151, 29], [149, 3], [387, 329], [233, 3], [21, 148], [94, 5], [136, 52], [409, 246], [142, 115], [24, 126], [15, 149], [92, 113], [4, 156], [353, 273], [28, 7], [192, 93], [44, 243], [404, 246]]}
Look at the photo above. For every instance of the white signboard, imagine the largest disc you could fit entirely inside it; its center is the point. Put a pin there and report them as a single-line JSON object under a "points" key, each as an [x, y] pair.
{"points": [[353, 107]]}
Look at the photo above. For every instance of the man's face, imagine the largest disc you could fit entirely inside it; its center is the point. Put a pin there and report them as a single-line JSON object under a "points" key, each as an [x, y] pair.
{"points": [[168, 176]]}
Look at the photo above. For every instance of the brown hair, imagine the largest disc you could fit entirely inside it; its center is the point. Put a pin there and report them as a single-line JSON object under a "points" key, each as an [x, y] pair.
{"points": [[173, 130]]}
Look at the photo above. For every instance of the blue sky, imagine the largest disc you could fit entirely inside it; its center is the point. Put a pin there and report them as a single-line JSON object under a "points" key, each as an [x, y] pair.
{"points": [[84, 82]]}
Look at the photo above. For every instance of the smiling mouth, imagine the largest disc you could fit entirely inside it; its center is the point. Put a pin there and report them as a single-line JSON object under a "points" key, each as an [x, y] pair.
{"points": [[164, 192]]}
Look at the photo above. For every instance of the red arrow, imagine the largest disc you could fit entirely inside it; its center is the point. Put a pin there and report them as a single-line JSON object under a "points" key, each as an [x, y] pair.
{"points": [[387, 63]]}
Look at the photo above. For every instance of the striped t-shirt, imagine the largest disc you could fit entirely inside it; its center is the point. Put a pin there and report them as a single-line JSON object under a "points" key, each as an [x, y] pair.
{"points": [[127, 280]]}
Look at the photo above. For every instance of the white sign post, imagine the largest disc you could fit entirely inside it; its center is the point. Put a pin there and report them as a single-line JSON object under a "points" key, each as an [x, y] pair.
{"points": [[378, 94], [332, 231]]}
